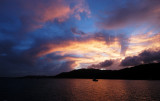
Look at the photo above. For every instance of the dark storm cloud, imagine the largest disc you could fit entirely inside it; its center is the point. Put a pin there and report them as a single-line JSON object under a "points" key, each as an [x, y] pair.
{"points": [[106, 63], [146, 56], [135, 12], [131, 61], [103, 64], [150, 56]]}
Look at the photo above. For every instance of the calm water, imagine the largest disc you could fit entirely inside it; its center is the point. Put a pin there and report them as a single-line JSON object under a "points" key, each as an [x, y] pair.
{"points": [[78, 90]]}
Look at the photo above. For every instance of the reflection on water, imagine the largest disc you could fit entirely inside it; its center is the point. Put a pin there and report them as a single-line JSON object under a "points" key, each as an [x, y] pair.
{"points": [[78, 90]]}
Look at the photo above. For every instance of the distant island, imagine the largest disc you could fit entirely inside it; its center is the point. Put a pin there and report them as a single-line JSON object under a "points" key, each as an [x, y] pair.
{"points": [[141, 72]]}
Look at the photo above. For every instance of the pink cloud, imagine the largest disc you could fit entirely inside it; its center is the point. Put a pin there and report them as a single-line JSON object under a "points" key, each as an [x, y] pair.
{"points": [[56, 9], [33, 14]]}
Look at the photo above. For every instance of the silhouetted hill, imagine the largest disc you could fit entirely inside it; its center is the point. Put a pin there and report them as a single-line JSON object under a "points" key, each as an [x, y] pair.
{"points": [[146, 71]]}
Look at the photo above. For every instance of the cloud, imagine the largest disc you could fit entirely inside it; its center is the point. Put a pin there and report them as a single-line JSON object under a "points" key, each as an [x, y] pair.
{"points": [[124, 42], [45, 36], [77, 32], [22, 16], [132, 14], [147, 56], [85, 43], [27, 63], [87, 49], [131, 61], [140, 42], [26, 30], [102, 65]]}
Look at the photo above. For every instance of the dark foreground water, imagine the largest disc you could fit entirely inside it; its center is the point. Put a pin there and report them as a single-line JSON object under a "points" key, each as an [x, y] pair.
{"points": [[78, 90]]}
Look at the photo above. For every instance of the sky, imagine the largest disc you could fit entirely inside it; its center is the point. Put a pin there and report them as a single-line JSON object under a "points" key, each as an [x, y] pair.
{"points": [[47, 37]]}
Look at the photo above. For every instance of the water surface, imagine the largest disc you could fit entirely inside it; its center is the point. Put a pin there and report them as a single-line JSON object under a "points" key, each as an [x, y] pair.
{"points": [[78, 90]]}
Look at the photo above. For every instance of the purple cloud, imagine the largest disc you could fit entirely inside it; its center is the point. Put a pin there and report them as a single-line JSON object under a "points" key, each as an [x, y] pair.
{"points": [[144, 57], [103, 64]]}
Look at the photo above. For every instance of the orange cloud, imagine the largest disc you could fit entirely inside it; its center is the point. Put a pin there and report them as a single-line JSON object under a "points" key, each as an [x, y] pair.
{"points": [[94, 50], [36, 13], [141, 42]]}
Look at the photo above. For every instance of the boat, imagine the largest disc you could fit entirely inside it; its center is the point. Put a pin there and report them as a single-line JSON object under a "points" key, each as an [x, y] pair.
{"points": [[95, 79]]}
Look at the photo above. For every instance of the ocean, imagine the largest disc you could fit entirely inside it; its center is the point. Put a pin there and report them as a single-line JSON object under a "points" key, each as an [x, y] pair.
{"points": [[79, 90]]}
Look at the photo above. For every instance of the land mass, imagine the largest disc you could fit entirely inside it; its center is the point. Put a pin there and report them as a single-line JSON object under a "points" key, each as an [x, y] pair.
{"points": [[141, 72]]}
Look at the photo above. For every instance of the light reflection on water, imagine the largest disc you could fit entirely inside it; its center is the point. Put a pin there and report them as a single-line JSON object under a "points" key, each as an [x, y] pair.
{"points": [[78, 90]]}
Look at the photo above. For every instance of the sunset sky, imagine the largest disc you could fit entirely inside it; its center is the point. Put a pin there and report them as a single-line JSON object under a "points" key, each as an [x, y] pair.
{"points": [[47, 37]]}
